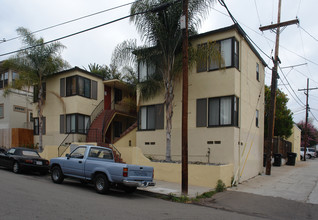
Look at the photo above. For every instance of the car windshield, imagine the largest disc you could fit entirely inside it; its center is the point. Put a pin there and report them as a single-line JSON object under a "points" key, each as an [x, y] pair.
{"points": [[30, 153]]}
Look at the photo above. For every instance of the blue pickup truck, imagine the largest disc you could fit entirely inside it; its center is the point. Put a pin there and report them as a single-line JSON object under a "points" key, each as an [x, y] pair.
{"points": [[96, 164]]}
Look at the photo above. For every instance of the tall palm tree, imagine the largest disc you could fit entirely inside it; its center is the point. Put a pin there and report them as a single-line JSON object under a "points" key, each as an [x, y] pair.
{"points": [[162, 36], [34, 65]]}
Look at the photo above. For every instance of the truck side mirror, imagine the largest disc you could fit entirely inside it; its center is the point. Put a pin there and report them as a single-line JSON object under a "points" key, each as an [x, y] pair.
{"points": [[67, 155]]}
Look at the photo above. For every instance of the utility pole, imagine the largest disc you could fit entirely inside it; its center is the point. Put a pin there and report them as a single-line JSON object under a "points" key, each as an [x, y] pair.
{"points": [[271, 121], [306, 123], [184, 27]]}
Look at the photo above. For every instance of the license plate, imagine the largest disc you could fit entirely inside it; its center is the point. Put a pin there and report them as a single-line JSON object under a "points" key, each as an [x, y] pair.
{"points": [[140, 173], [39, 163]]}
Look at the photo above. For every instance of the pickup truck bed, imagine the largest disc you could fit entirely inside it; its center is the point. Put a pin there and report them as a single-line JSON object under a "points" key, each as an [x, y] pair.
{"points": [[96, 164]]}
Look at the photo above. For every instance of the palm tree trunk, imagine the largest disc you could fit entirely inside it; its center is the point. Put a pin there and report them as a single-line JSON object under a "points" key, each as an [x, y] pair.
{"points": [[40, 118], [169, 112]]}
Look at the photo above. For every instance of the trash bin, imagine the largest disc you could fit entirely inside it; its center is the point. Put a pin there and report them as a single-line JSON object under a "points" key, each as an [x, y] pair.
{"points": [[277, 160], [264, 160], [291, 158]]}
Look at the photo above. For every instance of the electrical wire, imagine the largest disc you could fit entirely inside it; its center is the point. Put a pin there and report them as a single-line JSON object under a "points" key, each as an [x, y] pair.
{"points": [[302, 104], [70, 21], [259, 19], [308, 33]]}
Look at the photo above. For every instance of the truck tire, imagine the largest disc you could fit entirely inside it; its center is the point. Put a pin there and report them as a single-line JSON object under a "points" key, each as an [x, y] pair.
{"points": [[57, 175], [101, 183]]}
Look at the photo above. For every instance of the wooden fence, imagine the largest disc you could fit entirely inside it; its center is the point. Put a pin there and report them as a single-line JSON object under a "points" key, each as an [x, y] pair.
{"points": [[22, 137]]}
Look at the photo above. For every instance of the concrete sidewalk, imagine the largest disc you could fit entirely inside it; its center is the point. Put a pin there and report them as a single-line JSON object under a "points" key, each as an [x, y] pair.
{"points": [[297, 183], [166, 188]]}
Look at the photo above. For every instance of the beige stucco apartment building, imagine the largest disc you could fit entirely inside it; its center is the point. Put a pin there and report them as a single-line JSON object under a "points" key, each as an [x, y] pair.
{"points": [[71, 97], [226, 108]]}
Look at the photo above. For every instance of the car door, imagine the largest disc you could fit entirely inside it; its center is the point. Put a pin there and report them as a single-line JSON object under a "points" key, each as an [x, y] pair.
{"points": [[74, 165]]}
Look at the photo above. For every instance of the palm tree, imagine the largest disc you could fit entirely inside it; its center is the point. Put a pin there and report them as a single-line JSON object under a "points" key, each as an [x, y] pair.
{"points": [[34, 65], [162, 34]]}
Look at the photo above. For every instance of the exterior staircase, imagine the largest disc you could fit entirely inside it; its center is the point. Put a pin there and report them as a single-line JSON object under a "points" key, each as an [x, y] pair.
{"points": [[96, 130]]}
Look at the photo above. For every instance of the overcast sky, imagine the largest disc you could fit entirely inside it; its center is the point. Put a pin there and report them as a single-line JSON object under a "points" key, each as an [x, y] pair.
{"points": [[298, 44]]}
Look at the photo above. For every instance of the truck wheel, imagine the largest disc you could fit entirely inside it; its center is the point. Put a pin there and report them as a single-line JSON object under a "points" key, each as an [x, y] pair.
{"points": [[16, 167], [130, 189], [101, 184], [57, 175]]}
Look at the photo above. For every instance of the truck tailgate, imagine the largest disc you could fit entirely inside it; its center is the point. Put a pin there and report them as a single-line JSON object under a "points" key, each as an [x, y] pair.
{"points": [[140, 172]]}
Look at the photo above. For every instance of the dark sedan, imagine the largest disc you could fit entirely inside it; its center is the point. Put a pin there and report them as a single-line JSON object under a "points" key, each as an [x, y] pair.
{"points": [[23, 159]]}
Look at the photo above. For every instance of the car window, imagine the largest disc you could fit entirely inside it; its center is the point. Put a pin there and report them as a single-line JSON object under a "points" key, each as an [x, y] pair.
{"points": [[101, 153], [78, 153], [11, 151], [30, 153]]}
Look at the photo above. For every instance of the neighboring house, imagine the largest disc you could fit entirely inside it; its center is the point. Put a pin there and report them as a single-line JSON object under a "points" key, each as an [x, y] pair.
{"points": [[226, 108], [15, 111], [295, 139]]}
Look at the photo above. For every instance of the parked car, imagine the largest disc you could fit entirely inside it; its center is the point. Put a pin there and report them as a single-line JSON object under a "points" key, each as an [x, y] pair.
{"points": [[24, 159], [2, 150], [310, 153], [96, 164]]}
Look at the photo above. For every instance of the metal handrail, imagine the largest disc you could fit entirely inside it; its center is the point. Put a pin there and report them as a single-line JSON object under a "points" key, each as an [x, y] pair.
{"points": [[63, 142], [98, 109], [113, 146]]}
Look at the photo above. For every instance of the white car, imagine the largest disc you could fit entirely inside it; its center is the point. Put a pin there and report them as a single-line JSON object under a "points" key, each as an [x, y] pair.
{"points": [[311, 153]]}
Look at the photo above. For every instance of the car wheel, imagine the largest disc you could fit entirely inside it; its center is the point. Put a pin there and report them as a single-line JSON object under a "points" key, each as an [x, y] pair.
{"points": [[101, 184], [16, 167], [130, 189], [57, 175], [308, 156]]}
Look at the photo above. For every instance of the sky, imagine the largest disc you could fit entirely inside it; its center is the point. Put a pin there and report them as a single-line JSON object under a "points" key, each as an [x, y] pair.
{"points": [[298, 49]]}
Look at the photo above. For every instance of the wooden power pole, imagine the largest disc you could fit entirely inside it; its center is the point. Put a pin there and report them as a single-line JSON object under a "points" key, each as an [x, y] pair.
{"points": [[306, 123], [271, 121], [185, 99]]}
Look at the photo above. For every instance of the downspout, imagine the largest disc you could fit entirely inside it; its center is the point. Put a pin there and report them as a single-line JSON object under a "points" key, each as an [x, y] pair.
{"points": [[240, 112]]}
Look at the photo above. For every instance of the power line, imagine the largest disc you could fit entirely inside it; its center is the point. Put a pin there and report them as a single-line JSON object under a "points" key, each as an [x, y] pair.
{"points": [[302, 104], [70, 21], [259, 19], [308, 33]]}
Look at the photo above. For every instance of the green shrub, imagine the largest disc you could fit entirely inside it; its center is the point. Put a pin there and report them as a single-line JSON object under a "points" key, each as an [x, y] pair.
{"points": [[220, 186]]}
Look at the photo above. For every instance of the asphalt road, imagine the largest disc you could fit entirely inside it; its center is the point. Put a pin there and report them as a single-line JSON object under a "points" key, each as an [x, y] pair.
{"points": [[29, 196]]}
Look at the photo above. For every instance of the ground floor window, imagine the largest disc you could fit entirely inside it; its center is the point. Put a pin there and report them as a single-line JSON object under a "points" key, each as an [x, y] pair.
{"points": [[36, 126], [74, 123], [151, 117]]}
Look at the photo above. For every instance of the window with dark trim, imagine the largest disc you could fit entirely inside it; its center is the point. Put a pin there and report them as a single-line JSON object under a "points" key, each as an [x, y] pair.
{"points": [[74, 123], [257, 118], [228, 49], [78, 85], [36, 126], [1, 110], [151, 117], [36, 92], [145, 69], [118, 95], [4, 77], [257, 71], [219, 111]]}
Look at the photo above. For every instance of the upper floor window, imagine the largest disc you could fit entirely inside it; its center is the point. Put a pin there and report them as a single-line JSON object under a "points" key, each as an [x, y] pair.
{"points": [[36, 92], [228, 51], [257, 71], [118, 95], [15, 76], [4, 77], [151, 117], [219, 111], [78, 85], [145, 69]]}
